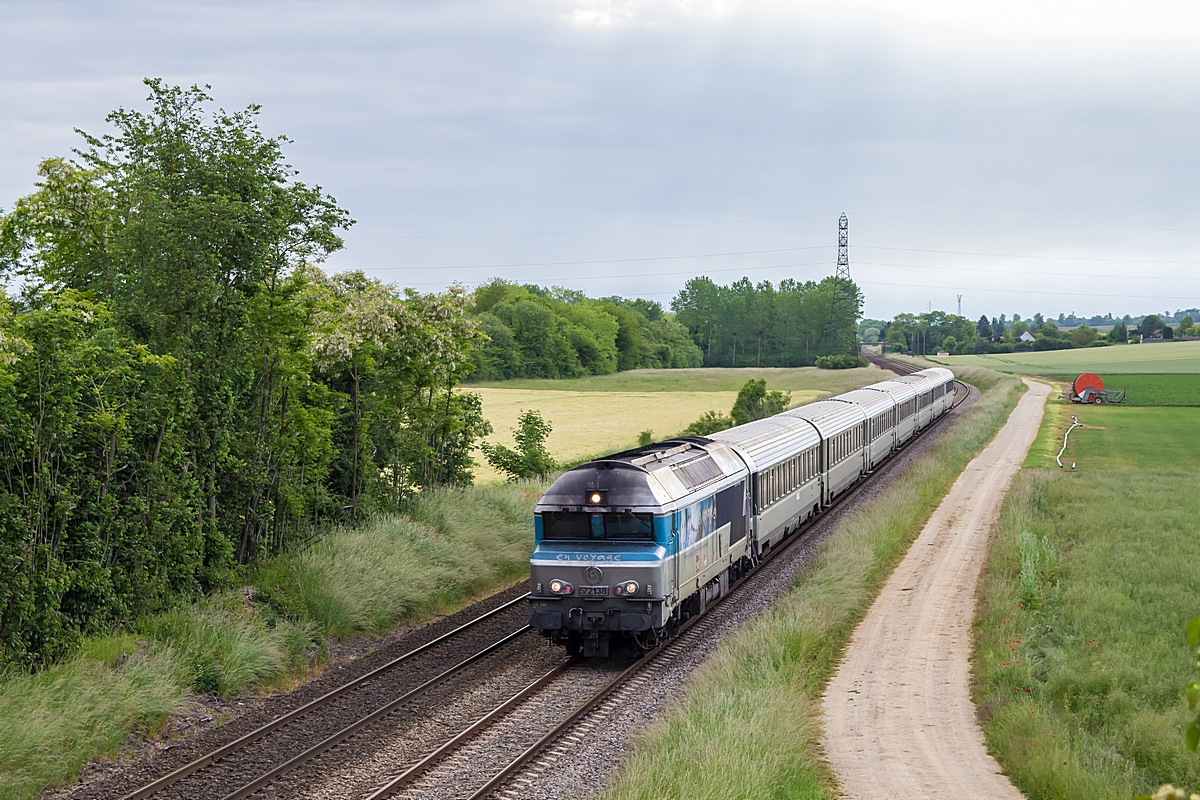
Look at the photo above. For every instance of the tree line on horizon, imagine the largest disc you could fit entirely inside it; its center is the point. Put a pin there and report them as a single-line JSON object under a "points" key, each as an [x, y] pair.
{"points": [[939, 331], [536, 332]]}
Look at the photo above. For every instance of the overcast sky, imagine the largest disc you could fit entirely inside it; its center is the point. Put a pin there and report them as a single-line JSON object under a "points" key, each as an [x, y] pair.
{"points": [[1028, 156]]}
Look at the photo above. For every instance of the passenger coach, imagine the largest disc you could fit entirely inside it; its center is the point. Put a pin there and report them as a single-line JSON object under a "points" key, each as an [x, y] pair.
{"points": [[629, 546]]}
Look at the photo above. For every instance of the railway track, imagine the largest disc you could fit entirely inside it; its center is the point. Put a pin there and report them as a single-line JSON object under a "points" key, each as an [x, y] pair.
{"points": [[242, 767], [573, 727], [493, 752]]}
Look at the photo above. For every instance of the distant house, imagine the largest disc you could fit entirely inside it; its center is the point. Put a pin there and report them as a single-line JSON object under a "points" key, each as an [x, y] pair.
{"points": [[1025, 336], [942, 353]]}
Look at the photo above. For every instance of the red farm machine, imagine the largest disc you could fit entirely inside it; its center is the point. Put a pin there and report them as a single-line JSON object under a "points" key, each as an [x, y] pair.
{"points": [[1089, 388]]}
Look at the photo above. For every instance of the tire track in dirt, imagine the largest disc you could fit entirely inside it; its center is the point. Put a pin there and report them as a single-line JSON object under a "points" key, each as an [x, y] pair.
{"points": [[898, 718]]}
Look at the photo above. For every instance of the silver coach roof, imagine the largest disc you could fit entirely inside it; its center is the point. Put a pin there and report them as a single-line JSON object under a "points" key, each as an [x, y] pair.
{"points": [[768, 441], [938, 374], [872, 402], [830, 417], [898, 391], [919, 381]]}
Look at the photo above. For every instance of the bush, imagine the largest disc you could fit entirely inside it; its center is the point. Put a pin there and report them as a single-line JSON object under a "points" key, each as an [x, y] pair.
{"points": [[1083, 336], [841, 361], [530, 459], [755, 402]]}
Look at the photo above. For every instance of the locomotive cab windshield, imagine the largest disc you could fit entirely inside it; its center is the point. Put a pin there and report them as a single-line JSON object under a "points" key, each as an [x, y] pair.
{"points": [[595, 524]]}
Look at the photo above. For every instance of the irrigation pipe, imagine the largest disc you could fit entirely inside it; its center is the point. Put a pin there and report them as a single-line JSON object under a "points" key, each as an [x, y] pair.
{"points": [[1074, 424]]}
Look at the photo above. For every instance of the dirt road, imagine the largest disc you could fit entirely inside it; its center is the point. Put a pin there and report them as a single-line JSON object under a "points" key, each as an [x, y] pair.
{"points": [[898, 716]]}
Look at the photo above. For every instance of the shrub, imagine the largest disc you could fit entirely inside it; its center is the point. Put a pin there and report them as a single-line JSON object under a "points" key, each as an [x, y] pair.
{"points": [[840, 361], [1083, 336], [755, 402], [645, 437], [530, 459]]}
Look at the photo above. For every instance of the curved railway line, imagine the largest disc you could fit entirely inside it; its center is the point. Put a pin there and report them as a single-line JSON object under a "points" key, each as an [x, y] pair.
{"points": [[536, 703]]}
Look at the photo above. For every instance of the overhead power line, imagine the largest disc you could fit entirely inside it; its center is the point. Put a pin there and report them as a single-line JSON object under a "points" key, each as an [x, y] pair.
{"points": [[588, 230], [1032, 224], [1026, 255], [611, 260]]}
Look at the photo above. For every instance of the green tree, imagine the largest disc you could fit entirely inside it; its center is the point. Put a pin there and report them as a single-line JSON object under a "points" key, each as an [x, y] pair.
{"points": [[983, 328], [1119, 333], [1083, 336], [1151, 323], [530, 458], [182, 388], [755, 402]]}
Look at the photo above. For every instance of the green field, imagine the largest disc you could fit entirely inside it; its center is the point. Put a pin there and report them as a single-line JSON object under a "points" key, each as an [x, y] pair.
{"points": [[1081, 659], [1118, 359], [1179, 389]]}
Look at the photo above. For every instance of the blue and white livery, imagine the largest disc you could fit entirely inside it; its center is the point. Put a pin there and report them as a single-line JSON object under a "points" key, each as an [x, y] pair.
{"points": [[629, 546]]}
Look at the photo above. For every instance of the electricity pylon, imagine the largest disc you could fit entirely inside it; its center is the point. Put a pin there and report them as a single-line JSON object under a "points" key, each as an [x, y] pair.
{"points": [[841, 281]]}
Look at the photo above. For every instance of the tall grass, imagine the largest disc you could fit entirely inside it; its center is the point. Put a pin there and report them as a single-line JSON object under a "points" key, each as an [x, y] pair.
{"points": [[452, 545], [1082, 692], [54, 721], [747, 724]]}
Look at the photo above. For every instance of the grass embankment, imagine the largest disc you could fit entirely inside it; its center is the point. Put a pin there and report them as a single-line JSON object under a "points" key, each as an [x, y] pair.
{"points": [[1118, 359], [1081, 658], [747, 725], [605, 413], [452, 546]]}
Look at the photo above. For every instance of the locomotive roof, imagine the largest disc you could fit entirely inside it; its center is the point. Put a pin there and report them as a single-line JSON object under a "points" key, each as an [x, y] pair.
{"points": [[658, 476], [765, 442]]}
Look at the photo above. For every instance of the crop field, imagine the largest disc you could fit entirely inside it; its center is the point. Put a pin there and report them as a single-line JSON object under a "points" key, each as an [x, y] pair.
{"points": [[1081, 659], [605, 414], [708, 379], [1174, 357]]}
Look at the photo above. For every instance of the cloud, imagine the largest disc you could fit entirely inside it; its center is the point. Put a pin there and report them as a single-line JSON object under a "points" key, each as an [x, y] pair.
{"points": [[443, 118]]}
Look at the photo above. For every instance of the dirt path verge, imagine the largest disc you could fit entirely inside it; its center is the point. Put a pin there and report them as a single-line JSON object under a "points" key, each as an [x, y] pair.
{"points": [[898, 716]]}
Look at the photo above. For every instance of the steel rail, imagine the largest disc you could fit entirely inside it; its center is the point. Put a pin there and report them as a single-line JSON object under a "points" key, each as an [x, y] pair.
{"points": [[262, 780], [599, 696], [437, 756], [237, 744]]}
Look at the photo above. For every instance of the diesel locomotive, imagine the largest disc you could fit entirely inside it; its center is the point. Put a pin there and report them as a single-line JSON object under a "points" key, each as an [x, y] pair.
{"points": [[629, 546]]}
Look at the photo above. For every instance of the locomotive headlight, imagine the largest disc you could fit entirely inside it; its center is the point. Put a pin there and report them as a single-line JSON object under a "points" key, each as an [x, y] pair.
{"points": [[596, 497], [630, 587], [560, 587]]}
